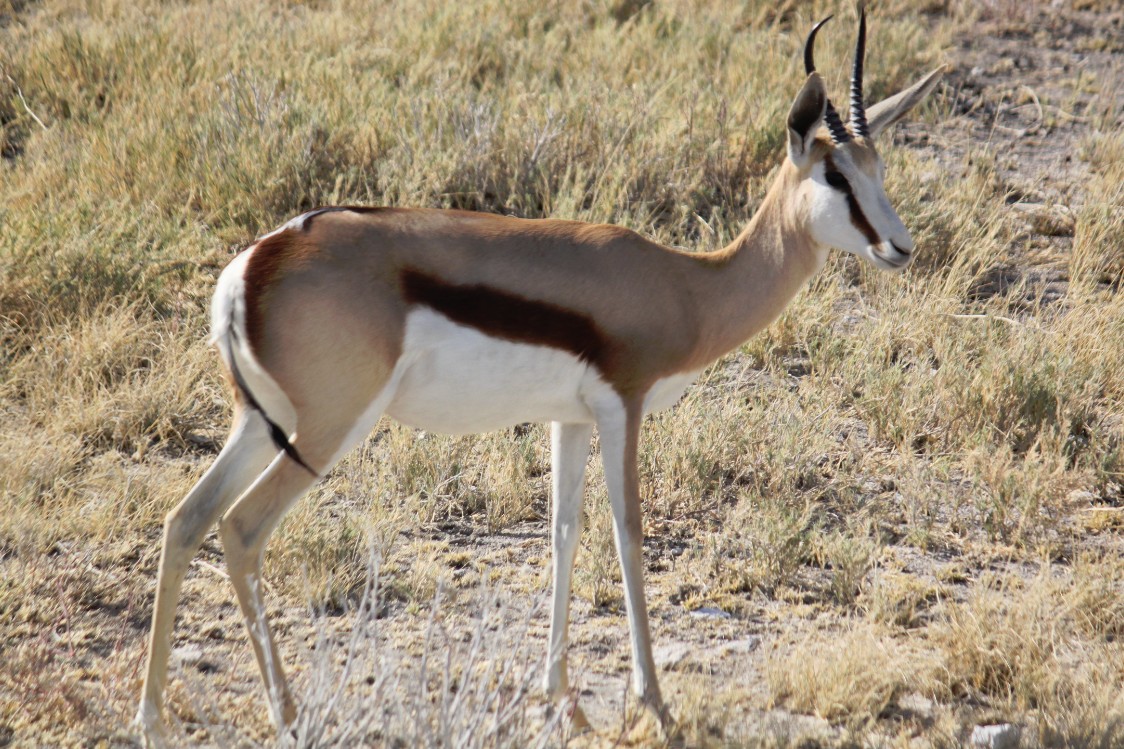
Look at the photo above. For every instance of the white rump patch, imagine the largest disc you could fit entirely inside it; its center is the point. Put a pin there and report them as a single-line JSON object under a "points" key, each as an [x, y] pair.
{"points": [[228, 307]]}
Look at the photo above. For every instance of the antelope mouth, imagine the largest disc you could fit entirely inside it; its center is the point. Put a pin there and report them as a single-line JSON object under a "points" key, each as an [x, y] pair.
{"points": [[892, 256]]}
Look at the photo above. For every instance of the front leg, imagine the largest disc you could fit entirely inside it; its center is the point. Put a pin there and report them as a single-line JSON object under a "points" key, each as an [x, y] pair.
{"points": [[619, 427], [569, 453]]}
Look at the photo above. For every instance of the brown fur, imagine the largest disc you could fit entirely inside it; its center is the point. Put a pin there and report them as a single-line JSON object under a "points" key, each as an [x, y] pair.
{"points": [[267, 260], [638, 310]]}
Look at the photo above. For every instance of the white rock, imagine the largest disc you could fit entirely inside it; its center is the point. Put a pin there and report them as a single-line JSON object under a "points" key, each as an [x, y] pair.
{"points": [[188, 654], [1002, 736], [738, 647], [916, 704], [710, 612], [1081, 497], [671, 654], [711, 658]]}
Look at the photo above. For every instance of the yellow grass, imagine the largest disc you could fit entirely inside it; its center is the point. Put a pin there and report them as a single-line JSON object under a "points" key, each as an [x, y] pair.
{"points": [[908, 487]]}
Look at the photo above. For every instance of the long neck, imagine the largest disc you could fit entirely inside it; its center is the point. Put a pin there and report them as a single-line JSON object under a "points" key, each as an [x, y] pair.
{"points": [[743, 287]]}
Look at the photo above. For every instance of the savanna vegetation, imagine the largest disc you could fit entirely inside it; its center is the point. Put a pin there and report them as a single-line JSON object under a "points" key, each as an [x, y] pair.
{"points": [[895, 515]]}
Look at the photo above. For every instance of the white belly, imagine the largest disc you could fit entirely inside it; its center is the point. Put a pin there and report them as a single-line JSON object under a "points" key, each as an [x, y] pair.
{"points": [[453, 379], [666, 393]]}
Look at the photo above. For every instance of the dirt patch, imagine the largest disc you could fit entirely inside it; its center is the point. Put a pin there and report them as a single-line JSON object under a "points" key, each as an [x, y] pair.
{"points": [[1024, 94]]}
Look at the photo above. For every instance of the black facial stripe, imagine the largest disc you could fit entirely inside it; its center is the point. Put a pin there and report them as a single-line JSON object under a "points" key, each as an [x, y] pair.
{"points": [[837, 180], [858, 218]]}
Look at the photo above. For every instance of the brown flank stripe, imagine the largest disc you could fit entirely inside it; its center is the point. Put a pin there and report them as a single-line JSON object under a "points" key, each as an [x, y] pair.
{"points": [[501, 314]]}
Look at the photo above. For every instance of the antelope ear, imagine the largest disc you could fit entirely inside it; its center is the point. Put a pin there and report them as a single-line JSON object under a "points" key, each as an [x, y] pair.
{"points": [[804, 118], [888, 111]]}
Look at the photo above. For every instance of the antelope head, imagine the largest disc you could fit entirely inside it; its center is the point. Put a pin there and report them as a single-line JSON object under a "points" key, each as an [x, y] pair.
{"points": [[840, 194]]}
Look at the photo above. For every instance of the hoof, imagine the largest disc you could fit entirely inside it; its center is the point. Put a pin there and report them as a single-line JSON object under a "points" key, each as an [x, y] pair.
{"points": [[578, 722], [285, 717], [569, 708], [151, 728], [668, 725]]}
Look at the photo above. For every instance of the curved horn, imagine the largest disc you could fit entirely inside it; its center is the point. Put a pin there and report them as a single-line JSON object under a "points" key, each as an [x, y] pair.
{"points": [[835, 125], [810, 46], [857, 117]]}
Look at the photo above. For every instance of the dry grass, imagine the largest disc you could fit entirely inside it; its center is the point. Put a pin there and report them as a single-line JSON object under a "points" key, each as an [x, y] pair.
{"points": [[908, 487], [463, 684]]}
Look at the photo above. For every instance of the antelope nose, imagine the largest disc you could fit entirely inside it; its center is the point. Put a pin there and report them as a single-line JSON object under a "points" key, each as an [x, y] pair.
{"points": [[903, 244]]}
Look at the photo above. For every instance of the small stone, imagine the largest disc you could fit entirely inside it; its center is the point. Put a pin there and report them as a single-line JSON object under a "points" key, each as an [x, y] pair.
{"points": [[717, 654], [188, 655], [671, 655], [738, 647], [710, 612], [1053, 224], [917, 705], [1001, 736], [1081, 497]]}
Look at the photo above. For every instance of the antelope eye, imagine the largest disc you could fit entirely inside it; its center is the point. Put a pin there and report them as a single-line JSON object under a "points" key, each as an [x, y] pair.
{"points": [[836, 180]]}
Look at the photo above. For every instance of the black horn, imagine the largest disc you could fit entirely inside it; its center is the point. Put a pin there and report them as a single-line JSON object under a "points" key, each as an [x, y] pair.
{"points": [[835, 125], [857, 118]]}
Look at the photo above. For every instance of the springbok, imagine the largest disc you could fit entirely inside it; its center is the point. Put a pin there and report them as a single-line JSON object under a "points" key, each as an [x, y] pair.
{"points": [[460, 322]]}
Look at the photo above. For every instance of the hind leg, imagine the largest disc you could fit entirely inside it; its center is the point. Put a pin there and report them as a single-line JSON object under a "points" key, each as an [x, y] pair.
{"points": [[246, 453], [245, 530], [247, 526]]}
